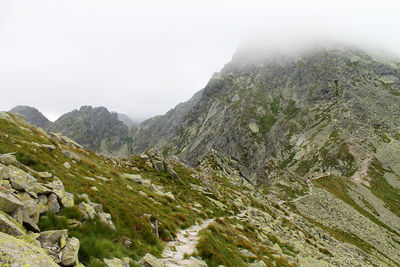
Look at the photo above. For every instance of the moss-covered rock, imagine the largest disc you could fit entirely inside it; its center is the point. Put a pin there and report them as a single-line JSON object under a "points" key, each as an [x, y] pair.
{"points": [[70, 252], [10, 226], [17, 252]]}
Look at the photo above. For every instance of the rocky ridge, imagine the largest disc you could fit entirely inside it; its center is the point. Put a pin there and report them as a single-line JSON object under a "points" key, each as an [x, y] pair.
{"points": [[94, 128]]}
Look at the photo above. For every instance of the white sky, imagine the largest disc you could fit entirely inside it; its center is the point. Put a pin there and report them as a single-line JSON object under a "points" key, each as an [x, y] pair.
{"points": [[143, 57]]}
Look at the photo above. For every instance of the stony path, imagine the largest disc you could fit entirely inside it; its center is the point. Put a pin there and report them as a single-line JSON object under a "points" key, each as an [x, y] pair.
{"points": [[184, 244], [310, 191]]}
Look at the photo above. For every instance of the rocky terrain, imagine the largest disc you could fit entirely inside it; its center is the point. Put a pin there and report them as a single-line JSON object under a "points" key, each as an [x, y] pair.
{"points": [[292, 160]]}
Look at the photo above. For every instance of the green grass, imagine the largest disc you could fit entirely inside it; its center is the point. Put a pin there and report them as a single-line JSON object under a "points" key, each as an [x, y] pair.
{"points": [[266, 122], [220, 243], [382, 189], [344, 236], [291, 110], [305, 165], [338, 187]]}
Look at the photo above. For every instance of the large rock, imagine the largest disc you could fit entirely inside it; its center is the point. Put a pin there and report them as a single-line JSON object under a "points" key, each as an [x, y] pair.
{"points": [[70, 252], [105, 218], [258, 263], [19, 179], [87, 210], [150, 261], [8, 159], [30, 213], [71, 155], [53, 204], [115, 262], [53, 242], [64, 139], [9, 226], [65, 198], [17, 252], [9, 202]]}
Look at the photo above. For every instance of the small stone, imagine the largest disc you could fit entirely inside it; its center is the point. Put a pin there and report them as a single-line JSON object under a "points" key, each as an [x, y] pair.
{"points": [[44, 174], [257, 263], [94, 188], [143, 194], [247, 253], [49, 147], [67, 165]]}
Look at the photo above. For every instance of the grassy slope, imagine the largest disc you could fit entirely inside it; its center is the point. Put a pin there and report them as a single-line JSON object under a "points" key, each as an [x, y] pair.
{"points": [[127, 207]]}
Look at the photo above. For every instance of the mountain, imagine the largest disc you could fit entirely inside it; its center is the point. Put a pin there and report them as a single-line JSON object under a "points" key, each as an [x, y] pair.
{"points": [[126, 119], [158, 130], [323, 109], [96, 129], [32, 115], [318, 130], [287, 159]]}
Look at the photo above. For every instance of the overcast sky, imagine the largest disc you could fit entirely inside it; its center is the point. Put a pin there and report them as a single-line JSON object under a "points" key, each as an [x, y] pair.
{"points": [[144, 57]]}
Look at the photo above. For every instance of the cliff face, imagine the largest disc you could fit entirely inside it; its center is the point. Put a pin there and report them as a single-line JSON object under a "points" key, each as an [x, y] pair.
{"points": [[94, 128]]}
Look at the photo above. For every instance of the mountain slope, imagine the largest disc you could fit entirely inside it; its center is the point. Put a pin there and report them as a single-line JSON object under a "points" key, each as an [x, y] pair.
{"points": [[94, 128], [32, 115], [158, 130], [166, 212], [271, 112]]}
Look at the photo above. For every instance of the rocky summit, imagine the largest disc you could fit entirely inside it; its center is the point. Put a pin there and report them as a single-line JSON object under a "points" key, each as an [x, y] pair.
{"points": [[32, 115], [94, 128], [289, 159]]}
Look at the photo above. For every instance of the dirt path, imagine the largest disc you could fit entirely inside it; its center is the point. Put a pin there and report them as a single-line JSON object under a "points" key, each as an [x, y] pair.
{"points": [[184, 245], [310, 190]]}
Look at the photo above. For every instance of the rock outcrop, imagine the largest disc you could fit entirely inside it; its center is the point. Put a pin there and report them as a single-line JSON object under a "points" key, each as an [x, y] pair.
{"points": [[21, 204]]}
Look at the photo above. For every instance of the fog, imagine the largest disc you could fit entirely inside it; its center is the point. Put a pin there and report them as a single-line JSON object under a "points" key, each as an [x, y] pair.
{"points": [[144, 57]]}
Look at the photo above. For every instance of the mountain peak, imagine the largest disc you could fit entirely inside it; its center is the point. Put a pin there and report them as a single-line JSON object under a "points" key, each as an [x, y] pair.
{"points": [[32, 115]]}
